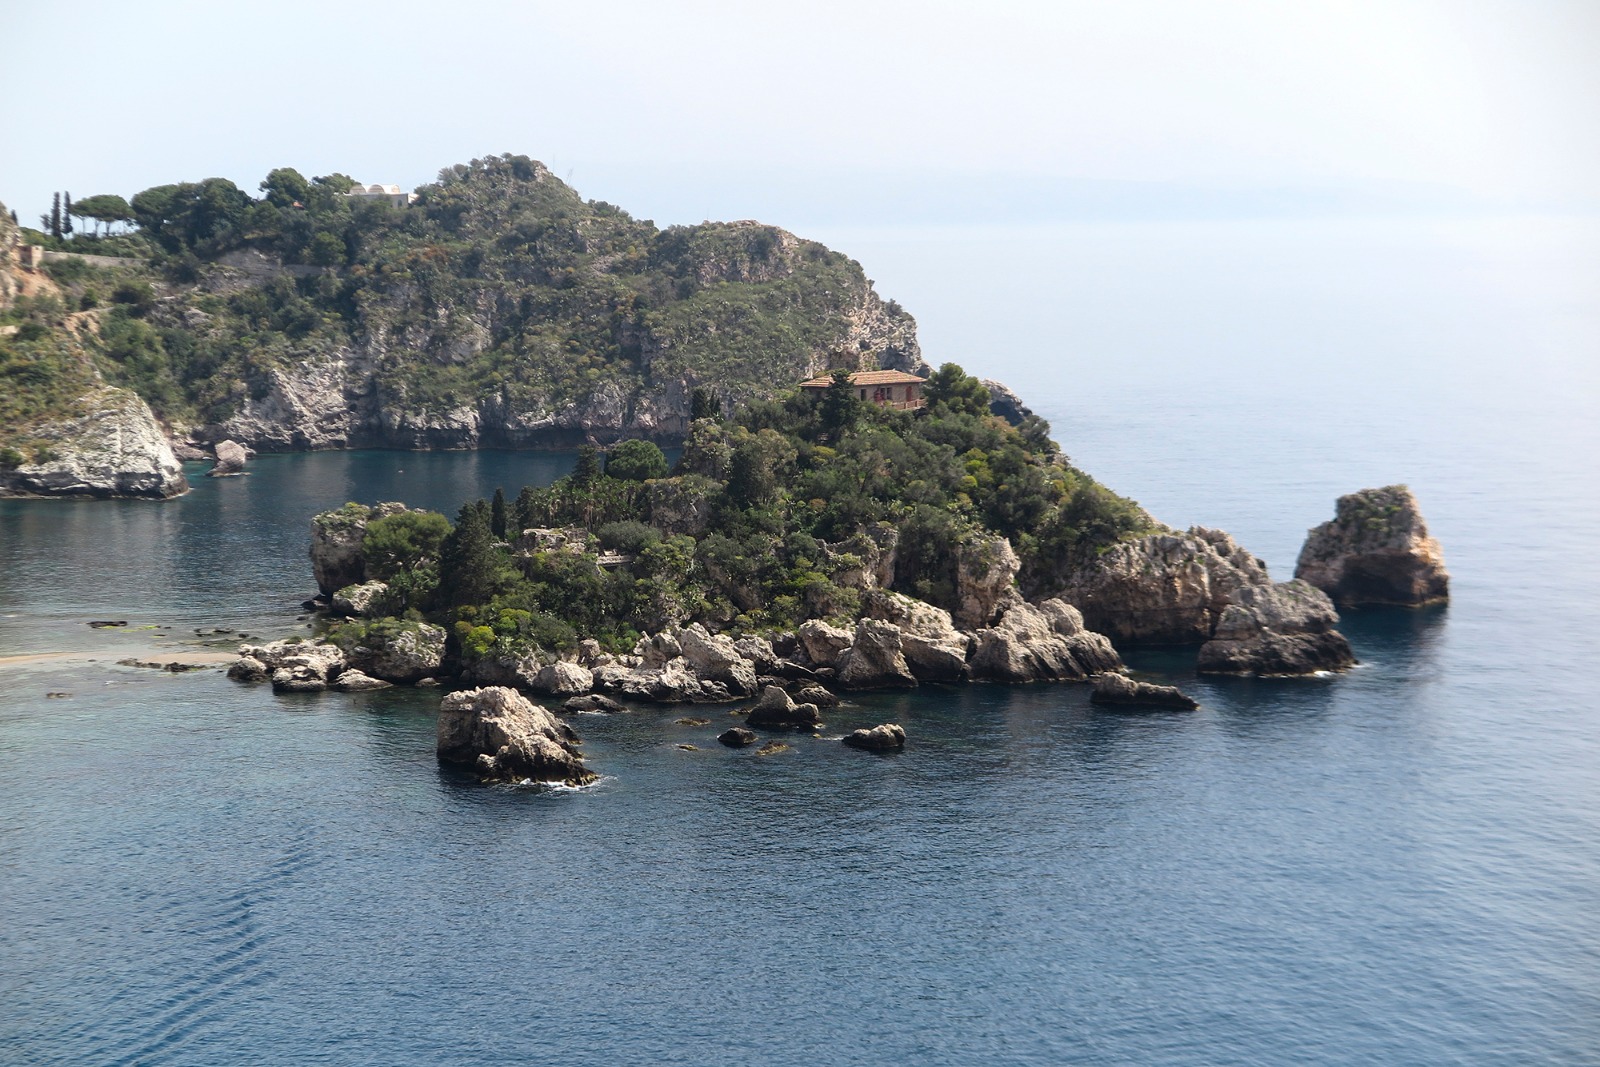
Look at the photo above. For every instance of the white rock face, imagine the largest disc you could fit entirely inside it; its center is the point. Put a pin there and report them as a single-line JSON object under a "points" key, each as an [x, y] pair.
{"points": [[116, 450], [506, 737]]}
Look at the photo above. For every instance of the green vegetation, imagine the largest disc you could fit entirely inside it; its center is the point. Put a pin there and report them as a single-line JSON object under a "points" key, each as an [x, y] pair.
{"points": [[769, 519], [499, 284]]}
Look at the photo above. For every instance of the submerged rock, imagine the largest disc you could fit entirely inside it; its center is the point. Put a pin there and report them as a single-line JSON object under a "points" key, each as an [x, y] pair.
{"points": [[885, 737], [592, 702], [1120, 689], [353, 681], [738, 737], [1376, 550], [507, 738]]}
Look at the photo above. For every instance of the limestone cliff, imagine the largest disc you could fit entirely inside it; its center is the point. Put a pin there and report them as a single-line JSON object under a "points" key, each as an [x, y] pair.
{"points": [[82, 437]]}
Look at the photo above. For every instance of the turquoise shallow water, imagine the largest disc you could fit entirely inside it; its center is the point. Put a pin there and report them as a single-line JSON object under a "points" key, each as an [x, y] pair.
{"points": [[1399, 865]]}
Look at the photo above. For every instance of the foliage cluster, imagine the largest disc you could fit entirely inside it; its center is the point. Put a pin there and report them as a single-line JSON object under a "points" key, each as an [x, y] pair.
{"points": [[769, 519]]}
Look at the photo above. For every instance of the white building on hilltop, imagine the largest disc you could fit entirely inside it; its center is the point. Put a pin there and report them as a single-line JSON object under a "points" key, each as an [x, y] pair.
{"points": [[391, 193]]}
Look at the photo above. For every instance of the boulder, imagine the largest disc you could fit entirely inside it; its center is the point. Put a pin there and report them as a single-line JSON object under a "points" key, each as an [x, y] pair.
{"points": [[874, 659], [248, 669], [1376, 550], [758, 652], [822, 643], [815, 694], [656, 652], [113, 447], [592, 702], [738, 737], [1120, 689], [362, 600], [885, 737], [353, 681], [935, 651], [231, 458], [507, 738], [775, 711], [1037, 643], [399, 651], [517, 671], [296, 666], [1283, 629], [562, 679], [714, 658]]}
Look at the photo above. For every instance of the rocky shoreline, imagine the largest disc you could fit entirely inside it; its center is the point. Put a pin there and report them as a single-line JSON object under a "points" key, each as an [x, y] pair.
{"points": [[1198, 588]]}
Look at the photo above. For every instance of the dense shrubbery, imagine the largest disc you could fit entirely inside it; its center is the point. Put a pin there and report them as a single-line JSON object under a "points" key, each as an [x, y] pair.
{"points": [[769, 519]]}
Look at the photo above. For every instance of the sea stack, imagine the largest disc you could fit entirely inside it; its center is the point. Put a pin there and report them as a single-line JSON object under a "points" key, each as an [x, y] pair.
{"points": [[1375, 551]]}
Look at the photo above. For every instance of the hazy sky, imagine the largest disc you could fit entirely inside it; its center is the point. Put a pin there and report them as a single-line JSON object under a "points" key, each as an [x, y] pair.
{"points": [[826, 112]]}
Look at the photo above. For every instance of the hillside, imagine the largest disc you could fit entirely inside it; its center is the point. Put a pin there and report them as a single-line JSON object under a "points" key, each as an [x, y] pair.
{"points": [[498, 309]]}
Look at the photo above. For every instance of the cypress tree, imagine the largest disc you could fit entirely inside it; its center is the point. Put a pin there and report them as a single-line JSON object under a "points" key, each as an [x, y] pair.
{"points": [[523, 512], [66, 213], [497, 514], [588, 470], [467, 561], [55, 216]]}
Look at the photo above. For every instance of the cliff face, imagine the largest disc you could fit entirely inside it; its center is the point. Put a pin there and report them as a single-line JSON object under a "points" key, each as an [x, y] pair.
{"points": [[88, 438]]}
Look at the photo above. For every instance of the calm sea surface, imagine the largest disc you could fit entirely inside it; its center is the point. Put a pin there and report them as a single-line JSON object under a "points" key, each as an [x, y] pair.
{"points": [[1397, 866]]}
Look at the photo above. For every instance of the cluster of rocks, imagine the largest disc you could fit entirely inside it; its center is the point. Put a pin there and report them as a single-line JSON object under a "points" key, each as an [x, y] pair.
{"points": [[407, 654]]}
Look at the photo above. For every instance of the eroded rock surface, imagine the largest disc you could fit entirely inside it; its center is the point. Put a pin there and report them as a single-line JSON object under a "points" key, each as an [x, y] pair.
{"points": [[505, 737], [1037, 643], [1376, 550], [1282, 629], [874, 659], [115, 449], [231, 457]]}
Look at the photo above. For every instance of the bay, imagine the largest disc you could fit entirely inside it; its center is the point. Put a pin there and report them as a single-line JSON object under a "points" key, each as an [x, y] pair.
{"points": [[1397, 865]]}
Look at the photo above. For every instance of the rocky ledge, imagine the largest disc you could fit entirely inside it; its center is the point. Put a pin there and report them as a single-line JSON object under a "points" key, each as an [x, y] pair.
{"points": [[1376, 550], [115, 449], [1121, 690]]}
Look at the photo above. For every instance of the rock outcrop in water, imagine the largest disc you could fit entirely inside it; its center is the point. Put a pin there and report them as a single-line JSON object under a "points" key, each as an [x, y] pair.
{"points": [[231, 457], [114, 449], [885, 737], [504, 737], [1376, 550], [1118, 689], [1202, 588]]}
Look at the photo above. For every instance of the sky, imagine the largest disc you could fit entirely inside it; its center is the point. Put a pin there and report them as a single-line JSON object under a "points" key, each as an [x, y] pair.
{"points": [[828, 113]]}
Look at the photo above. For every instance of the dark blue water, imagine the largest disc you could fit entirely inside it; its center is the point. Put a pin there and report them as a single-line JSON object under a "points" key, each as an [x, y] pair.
{"points": [[1400, 865]]}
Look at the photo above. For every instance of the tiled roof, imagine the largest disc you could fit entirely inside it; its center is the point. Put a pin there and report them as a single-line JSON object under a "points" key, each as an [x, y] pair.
{"points": [[867, 377]]}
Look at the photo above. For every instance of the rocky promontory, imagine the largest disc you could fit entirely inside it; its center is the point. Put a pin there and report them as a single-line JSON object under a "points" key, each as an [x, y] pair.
{"points": [[113, 448], [1202, 588], [1375, 551]]}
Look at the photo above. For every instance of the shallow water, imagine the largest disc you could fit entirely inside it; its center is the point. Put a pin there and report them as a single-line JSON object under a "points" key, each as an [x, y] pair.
{"points": [[1397, 865]]}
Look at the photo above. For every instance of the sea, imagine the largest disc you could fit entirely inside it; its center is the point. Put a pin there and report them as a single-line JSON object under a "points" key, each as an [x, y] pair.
{"points": [[1398, 865]]}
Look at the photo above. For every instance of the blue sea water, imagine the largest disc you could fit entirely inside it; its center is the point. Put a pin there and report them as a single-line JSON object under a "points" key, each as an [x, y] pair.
{"points": [[1399, 865]]}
